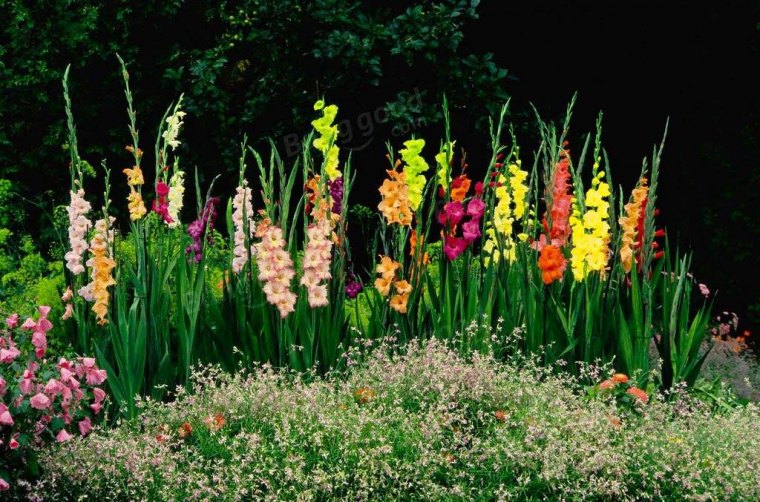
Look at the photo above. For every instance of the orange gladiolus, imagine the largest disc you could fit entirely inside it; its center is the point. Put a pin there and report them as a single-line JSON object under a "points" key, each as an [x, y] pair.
{"points": [[552, 264], [459, 188]]}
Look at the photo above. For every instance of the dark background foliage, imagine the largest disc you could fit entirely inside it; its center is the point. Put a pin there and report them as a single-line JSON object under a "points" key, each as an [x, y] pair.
{"points": [[255, 67]]}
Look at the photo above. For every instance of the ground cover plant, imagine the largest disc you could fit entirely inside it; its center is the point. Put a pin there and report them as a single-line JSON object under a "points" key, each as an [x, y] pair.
{"points": [[537, 281], [427, 425]]}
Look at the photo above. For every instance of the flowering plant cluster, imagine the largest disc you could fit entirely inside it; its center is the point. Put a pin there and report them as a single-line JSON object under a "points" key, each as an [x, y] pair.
{"points": [[41, 400], [423, 423]]}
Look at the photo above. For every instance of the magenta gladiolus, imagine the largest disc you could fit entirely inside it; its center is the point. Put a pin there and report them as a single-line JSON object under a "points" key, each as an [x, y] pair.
{"points": [[453, 247], [40, 401], [454, 212], [471, 230], [475, 208]]}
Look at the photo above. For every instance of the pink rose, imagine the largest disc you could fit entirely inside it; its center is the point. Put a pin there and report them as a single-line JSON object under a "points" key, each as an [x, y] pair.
{"points": [[40, 402]]}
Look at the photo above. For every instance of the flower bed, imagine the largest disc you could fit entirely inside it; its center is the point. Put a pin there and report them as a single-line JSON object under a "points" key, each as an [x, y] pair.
{"points": [[426, 425]]}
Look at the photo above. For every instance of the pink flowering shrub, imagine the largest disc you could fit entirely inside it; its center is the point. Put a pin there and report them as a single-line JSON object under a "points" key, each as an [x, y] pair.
{"points": [[41, 400]]}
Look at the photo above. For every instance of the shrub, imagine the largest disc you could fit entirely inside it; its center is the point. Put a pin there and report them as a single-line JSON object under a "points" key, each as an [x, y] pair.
{"points": [[41, 401]]}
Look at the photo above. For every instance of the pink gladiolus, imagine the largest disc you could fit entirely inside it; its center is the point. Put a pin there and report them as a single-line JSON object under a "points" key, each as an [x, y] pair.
{"points": [[68, 312], [453, 247], [475, 208], [316, 263], [276, 270], [85, 426], [67, 295], [88, 362], [40, 401], [78, 226], [95, 407], [13, 443], [4, 485], [11, 321], [242, 217], [471, 230], [63, 436], [3, 386], [5, 415]]}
